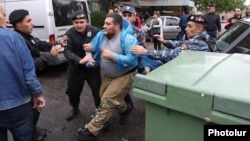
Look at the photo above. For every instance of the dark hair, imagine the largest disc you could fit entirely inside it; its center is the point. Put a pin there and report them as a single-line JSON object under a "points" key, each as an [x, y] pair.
{"points": [[212, 5], [186, 11], [157, 13], [204, 26], [237, 8], [117, 18]]}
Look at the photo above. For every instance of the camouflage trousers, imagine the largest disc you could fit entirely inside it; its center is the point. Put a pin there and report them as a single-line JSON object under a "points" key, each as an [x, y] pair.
{"points": [[112, 93]]}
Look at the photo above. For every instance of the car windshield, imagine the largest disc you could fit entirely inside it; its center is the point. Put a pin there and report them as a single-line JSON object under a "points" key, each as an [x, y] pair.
{"points": [[230, 35]]}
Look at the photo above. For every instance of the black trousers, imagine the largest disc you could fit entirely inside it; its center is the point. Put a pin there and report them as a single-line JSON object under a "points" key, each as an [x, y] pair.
{"points": [[76, 83], [157, 44], [36, 115]]}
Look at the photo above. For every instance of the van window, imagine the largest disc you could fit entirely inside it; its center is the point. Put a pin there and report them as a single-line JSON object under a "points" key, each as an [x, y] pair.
{"points": [[64, 9]]}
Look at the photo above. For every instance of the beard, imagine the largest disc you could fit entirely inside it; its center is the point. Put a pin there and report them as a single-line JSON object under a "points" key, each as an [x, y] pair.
{"points": [[109, 35]]}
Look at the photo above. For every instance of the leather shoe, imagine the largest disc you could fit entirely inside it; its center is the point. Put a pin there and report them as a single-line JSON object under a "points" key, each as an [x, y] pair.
{"points": [[72, 114], [85, 135], [125, 114], [39, 134]]}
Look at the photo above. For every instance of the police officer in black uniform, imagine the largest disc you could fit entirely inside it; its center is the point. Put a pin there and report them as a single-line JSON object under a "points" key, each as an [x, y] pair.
{"points": [[78, 35], [22, 24]]}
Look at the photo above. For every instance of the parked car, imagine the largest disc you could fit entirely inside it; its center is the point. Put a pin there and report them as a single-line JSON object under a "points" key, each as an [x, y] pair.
{"points": [[236, 39], [170, 26]]}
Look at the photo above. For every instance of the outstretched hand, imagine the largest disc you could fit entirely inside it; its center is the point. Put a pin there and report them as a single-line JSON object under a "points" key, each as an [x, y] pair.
{"points": [[160, 39], [64, 40], [139, 50]]}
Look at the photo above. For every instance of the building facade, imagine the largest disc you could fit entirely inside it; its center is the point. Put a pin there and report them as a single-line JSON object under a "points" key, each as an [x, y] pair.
{"points": [[166, 7]]}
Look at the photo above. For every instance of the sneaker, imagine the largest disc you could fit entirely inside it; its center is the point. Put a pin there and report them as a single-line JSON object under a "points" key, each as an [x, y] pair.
{"points": [[74, 112], [85, 135], [125, 114]]}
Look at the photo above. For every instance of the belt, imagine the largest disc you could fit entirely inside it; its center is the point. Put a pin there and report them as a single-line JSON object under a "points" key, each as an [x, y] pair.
{"points": [[130, 71]]}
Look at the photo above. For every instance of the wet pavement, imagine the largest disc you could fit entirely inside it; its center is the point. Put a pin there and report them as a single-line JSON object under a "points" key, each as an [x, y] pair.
{"points": [[52, 117], [53, 120]]}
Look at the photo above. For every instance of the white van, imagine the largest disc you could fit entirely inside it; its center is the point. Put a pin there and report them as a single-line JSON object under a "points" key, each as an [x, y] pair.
{"points": [[51, 18]]}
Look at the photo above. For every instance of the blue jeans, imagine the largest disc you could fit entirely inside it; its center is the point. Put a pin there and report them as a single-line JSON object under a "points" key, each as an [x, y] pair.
{"points": [[212, 33], [19, 121]]}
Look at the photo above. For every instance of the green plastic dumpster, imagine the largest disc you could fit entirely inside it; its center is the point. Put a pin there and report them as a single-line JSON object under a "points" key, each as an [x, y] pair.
{"points": [[192, 90]]}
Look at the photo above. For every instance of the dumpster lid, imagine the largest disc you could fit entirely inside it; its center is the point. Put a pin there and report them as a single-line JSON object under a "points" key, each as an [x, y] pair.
{"points": [[230, 83], [225, 76]]}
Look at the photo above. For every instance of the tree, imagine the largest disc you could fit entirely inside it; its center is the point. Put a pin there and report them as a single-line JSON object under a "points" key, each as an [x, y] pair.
{"points": [[97, 18], [221, 5]]}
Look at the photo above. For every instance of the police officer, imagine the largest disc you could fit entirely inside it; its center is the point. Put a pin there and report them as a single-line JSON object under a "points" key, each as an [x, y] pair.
{"points": [[22, 23], [79, 34], [197, 40]]}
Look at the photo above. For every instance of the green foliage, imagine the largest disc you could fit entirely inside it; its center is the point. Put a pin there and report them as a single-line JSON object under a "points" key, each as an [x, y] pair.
{"points": [[221, 5], [97, 18]]}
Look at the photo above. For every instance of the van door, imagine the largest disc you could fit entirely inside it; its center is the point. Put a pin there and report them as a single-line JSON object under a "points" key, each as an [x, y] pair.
{"points": [[63, 11], [38, 14]]}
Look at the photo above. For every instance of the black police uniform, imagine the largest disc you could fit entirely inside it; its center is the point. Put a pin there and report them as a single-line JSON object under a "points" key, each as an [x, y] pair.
{"points": [[78, 73], [36, 46]]}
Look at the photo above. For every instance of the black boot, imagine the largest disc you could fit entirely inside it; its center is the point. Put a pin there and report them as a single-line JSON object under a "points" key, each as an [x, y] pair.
{"points": [[72, 114], [39, 134], [85, 135], [128, 101], [105, 126], [130, 106]]}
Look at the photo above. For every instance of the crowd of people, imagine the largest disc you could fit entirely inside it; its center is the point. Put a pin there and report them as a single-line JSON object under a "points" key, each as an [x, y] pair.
{"points": [[116, 51]]}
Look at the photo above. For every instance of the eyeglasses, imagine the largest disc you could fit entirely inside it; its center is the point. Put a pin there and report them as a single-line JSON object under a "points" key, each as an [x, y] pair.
{"points": [[127, 15]]}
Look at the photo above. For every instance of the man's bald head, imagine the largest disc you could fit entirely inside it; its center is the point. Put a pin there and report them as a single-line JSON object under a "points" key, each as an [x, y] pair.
{"points": [[3, 18]]}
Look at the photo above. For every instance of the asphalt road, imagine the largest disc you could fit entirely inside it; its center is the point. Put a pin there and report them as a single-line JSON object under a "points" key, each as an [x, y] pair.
{"points": [[52, 118]]}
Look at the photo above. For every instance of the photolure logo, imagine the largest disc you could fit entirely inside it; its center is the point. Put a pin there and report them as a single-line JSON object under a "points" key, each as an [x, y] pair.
{"points": [[235, 132]]}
